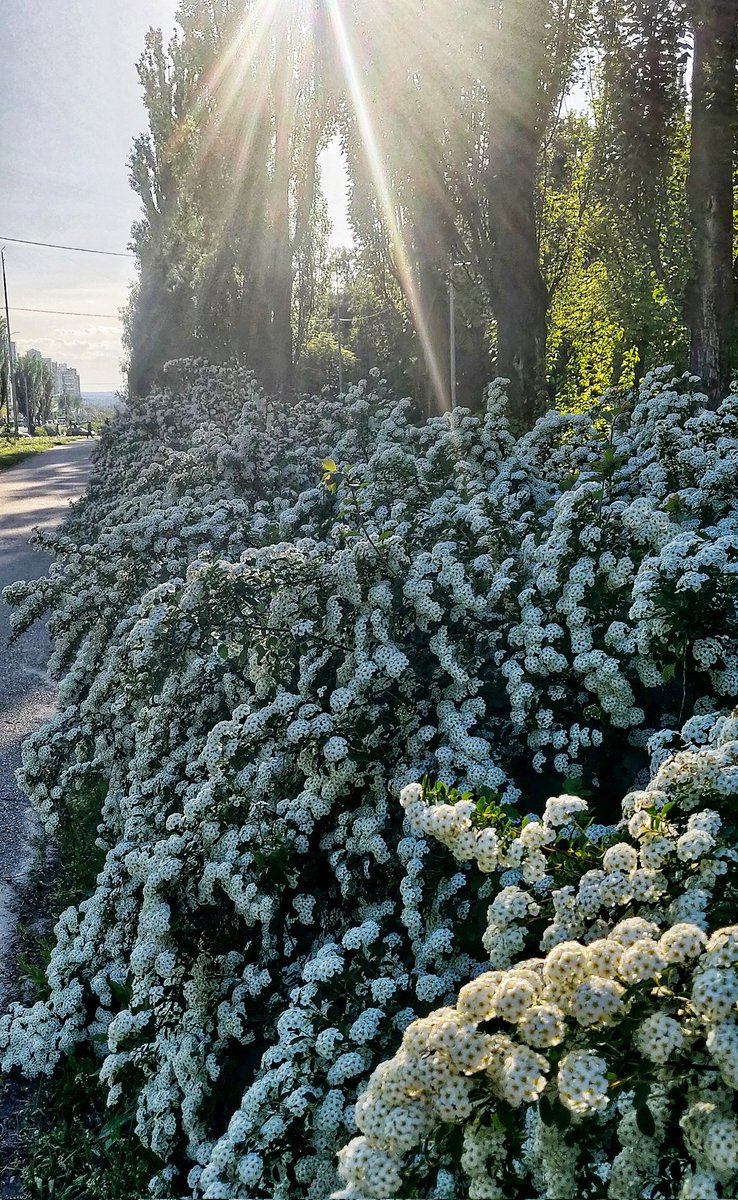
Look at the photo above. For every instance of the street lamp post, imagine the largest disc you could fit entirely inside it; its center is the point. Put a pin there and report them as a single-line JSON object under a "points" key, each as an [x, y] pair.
{"points": [[29, 418], [452, 327]]}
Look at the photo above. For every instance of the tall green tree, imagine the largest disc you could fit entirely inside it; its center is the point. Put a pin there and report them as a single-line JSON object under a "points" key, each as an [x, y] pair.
{"points": [[615, 304], [711, 306], [474, 90], [646, 48], [34, 385], [518, 293], [640, 109], [167, 239], [577, 250], [227, 174]]}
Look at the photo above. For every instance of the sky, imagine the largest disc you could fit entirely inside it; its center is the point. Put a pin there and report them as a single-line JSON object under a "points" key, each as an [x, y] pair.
{"points": [[71, 106]]}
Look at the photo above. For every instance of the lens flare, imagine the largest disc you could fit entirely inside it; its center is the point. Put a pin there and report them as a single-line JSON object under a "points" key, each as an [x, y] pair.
{"points": [[384, 194], [250, 49], [265, 63]]}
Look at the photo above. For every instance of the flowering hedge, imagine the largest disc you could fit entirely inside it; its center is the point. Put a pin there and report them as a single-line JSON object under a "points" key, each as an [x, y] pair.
{"points": [[609, 1065], [267, 621]]}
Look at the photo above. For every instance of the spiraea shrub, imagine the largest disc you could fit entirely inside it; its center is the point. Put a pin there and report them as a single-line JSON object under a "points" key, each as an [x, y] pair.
{"points": [[267, 621], [599, 1056]]}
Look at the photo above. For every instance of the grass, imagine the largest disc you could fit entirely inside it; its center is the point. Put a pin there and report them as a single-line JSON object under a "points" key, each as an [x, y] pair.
{"points": [[74, 1147], [14, 450]]}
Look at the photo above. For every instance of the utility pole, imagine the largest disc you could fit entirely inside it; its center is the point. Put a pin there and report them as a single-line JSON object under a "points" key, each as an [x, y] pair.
{"points": [[452, 334], [338, 338], [11, 364]]}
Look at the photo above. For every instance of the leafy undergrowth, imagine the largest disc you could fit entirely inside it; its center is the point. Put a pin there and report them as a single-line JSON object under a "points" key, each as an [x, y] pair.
{"points": [[74, 1148]]}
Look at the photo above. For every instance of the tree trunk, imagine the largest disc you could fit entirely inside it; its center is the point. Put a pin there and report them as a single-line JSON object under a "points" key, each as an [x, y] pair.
{"points": [[711, 296], [473, 369], [433, 297], [519, 296]]}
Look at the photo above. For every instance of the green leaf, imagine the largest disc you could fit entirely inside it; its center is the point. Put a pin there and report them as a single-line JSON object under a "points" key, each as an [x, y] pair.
{"points": [[668, 672], [121, 992], [223, 651], [561, 1115], [645, 1121], [545, 1108], [574, 785]]}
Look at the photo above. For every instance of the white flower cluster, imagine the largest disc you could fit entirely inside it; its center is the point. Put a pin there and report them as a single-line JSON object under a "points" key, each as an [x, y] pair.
{"points": [[601, 1030], [252, 667]]}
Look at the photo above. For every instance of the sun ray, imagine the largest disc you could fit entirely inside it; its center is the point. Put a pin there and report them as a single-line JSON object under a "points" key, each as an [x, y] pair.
{"points": [[384, 194], [220, 105]]}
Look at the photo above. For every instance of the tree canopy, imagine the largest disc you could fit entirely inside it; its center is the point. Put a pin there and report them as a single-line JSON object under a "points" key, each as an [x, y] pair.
{"points": [[565, 166]]}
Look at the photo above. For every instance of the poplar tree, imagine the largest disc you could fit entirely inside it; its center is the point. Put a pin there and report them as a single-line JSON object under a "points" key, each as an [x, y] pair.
{"points": [[227, 176], [711, 301]]}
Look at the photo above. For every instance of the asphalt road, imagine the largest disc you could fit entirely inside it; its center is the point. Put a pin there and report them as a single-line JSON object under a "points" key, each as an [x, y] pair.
{"points": [[35, 493]]}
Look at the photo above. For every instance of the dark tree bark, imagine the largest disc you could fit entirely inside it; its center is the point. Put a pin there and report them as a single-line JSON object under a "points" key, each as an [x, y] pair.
{"points": [[161, 322], [282, 270], [519, 296], [281, 266], [432, 293], [711, 298], [431, 240]]}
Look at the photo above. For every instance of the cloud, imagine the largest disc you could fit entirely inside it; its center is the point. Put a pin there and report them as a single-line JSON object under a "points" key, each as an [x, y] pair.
{"points": [[92, 344], [109, 333]]}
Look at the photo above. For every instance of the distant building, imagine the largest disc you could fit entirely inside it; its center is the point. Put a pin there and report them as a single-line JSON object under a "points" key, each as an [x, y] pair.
{"points": [[69, 381], [66, 378]]}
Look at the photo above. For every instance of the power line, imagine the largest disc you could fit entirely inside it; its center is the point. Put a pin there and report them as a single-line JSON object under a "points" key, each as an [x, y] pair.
{"points": [[77, 249], [368, 317], [65, 312]]}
